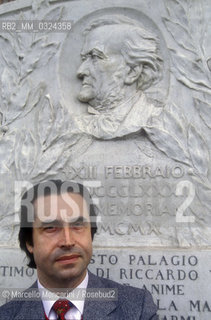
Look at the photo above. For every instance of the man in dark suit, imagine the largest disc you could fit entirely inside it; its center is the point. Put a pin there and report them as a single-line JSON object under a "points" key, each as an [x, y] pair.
{"points": [[58, 223]]}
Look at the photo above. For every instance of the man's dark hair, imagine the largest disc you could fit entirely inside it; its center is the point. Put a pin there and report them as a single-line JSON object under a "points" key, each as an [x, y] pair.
{"points": [[47, 188]]}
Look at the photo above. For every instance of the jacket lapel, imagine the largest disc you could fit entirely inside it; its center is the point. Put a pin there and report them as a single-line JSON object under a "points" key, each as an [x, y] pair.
{"points": [[99, 309]]}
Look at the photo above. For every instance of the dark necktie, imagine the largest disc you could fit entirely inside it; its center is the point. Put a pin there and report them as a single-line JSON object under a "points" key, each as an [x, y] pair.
{"points": [[61, 307]]}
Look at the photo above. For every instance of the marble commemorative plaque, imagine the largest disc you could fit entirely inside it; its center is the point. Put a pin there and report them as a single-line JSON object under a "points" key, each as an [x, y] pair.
{"points": [[117, 96]]}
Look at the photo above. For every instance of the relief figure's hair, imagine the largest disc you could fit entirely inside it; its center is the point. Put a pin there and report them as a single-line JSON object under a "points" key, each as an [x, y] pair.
{"points": [[139, 47]]}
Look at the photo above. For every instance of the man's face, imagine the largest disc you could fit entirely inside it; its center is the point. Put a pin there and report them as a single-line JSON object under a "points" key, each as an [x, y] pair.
{"points": [[103, 68], [62, 244]]}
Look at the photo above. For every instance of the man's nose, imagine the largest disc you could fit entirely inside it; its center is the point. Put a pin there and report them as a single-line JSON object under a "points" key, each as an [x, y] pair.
{"points": [[67, 237], [83, 70]]}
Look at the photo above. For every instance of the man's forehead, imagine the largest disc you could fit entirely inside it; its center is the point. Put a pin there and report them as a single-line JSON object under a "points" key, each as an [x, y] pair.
{"points": [[66, 204]]}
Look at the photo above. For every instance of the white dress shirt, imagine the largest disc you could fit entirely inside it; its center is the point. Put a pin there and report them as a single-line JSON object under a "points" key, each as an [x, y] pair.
{"points": [[74, 313]]}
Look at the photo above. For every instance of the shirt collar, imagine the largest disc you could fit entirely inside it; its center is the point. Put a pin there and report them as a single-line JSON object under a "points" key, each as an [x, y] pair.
{"points": [[79, 304]]}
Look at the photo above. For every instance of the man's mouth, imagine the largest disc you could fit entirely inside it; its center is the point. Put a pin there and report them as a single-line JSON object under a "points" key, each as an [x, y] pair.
{"points": [[68, 259]]}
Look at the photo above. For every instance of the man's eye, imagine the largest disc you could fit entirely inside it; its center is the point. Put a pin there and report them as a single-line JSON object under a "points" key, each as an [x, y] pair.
{"points": [[50, 228], [78, 225]]}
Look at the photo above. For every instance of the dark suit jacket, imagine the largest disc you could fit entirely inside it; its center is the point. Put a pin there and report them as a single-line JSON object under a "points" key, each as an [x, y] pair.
{"points": [[132, 304]]}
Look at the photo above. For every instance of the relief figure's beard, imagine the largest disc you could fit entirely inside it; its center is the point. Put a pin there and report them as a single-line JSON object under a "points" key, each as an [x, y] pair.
{"points": [[86, 94], [106, 100]]}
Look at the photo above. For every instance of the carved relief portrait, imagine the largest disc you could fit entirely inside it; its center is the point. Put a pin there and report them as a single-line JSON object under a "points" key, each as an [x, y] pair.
{"points": [[120, 59]]}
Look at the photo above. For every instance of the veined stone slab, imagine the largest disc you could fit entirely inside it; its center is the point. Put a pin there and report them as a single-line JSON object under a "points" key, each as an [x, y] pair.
{"points": [[177, 279]]}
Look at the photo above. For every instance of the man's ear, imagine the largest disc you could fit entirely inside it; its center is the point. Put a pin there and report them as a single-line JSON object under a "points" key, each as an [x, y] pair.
{"points": [[133, 74], [29, 247]]}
